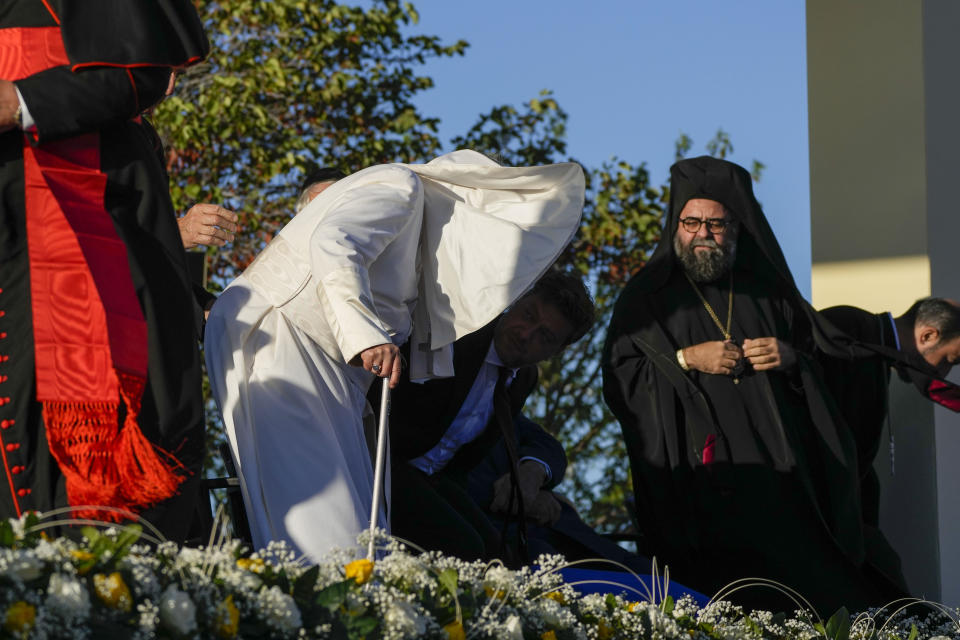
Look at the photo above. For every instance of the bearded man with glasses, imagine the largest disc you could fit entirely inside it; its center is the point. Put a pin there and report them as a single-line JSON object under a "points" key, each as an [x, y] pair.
{"points": [[742, 464]]}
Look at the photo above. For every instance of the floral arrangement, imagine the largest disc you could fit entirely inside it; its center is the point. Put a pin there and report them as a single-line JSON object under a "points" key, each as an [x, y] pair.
{"points": [[105, 583]]}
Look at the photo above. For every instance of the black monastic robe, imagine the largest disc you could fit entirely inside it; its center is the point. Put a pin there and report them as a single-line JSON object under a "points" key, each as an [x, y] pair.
{"points": [[735, 480]]}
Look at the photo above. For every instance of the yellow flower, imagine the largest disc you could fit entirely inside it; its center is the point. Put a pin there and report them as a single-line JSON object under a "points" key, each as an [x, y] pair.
{"points": [[254, 565], [227, 618], [491, 593], [632, 606], [556, 596], [113, 591], [360, 570], [604, 631], [455, 631], [548, 635], [20, 618], [81, 557]]}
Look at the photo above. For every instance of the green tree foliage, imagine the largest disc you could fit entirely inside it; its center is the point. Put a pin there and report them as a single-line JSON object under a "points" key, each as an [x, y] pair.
{"points": [[535, 136], [289, 85]]}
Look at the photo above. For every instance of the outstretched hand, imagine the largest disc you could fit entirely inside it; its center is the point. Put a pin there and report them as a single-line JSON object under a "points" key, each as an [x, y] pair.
{"points": [[383, 361]]}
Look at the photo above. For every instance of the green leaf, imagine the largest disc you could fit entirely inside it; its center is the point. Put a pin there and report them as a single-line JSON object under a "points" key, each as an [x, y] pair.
{"points": [[31, 521], [84, 566], [7, 537], [753, 625], [334, 595], [667, 605], [282, 580], [304, 585], [838, 626], [448, 579], [127, 538], [611, 601], [412, 12], [361, 626], [91, 534], [913, 632]]}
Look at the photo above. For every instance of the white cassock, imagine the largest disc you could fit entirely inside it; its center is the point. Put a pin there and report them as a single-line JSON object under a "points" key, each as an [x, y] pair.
{"points": [[427, 253]]}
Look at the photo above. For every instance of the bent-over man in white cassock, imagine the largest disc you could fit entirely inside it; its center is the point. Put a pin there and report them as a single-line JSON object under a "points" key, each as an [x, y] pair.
{"points": [[426, 253]]}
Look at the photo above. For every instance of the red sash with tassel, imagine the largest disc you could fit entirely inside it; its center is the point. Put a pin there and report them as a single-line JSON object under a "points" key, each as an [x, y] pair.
{"points": [[89, 332]]}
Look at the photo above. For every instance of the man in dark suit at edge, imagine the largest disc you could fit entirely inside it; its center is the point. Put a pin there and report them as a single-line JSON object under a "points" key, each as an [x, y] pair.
{"points": [[927, 340]]}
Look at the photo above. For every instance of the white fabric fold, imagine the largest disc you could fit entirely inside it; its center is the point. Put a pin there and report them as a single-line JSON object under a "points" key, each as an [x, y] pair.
{"points": [[489, 232]]}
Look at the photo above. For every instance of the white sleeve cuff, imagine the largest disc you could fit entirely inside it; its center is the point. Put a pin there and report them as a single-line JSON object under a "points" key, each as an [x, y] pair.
{"points": [[25, 118], [545, 466]]}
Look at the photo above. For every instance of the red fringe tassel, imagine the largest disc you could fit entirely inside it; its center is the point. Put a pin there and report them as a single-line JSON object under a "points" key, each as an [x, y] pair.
{"points": [[106, 465]]}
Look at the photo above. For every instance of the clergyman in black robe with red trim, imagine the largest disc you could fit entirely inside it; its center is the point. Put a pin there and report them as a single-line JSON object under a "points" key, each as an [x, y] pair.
{"points": [[100, 400], [742, 466]]}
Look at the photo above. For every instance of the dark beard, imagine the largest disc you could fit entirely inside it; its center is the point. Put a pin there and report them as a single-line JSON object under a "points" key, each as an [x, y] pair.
{"points": [[709, 265]]}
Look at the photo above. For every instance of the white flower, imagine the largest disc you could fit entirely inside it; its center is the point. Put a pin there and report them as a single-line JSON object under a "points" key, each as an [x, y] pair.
{"points": [[279, 609], [402, 616], [149, 617], [46, 551], [145, 582], [498, 577], [512, 629], [242, 580], [661, 623], [177, 611], [19, 526], [67, 597], [685, 606], [551, 613], [405, 568], [191, 556], [23, 564]]}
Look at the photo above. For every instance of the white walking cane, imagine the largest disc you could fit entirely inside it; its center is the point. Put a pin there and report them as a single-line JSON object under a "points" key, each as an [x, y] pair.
{"points": [[381, 459]]}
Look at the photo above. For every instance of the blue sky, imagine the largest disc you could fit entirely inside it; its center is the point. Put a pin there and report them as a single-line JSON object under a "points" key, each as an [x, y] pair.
{"points": [[633, 75]]}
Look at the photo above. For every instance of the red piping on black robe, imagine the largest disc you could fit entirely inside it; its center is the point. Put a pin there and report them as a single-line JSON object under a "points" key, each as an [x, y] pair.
{"points": [[90, 336]]}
